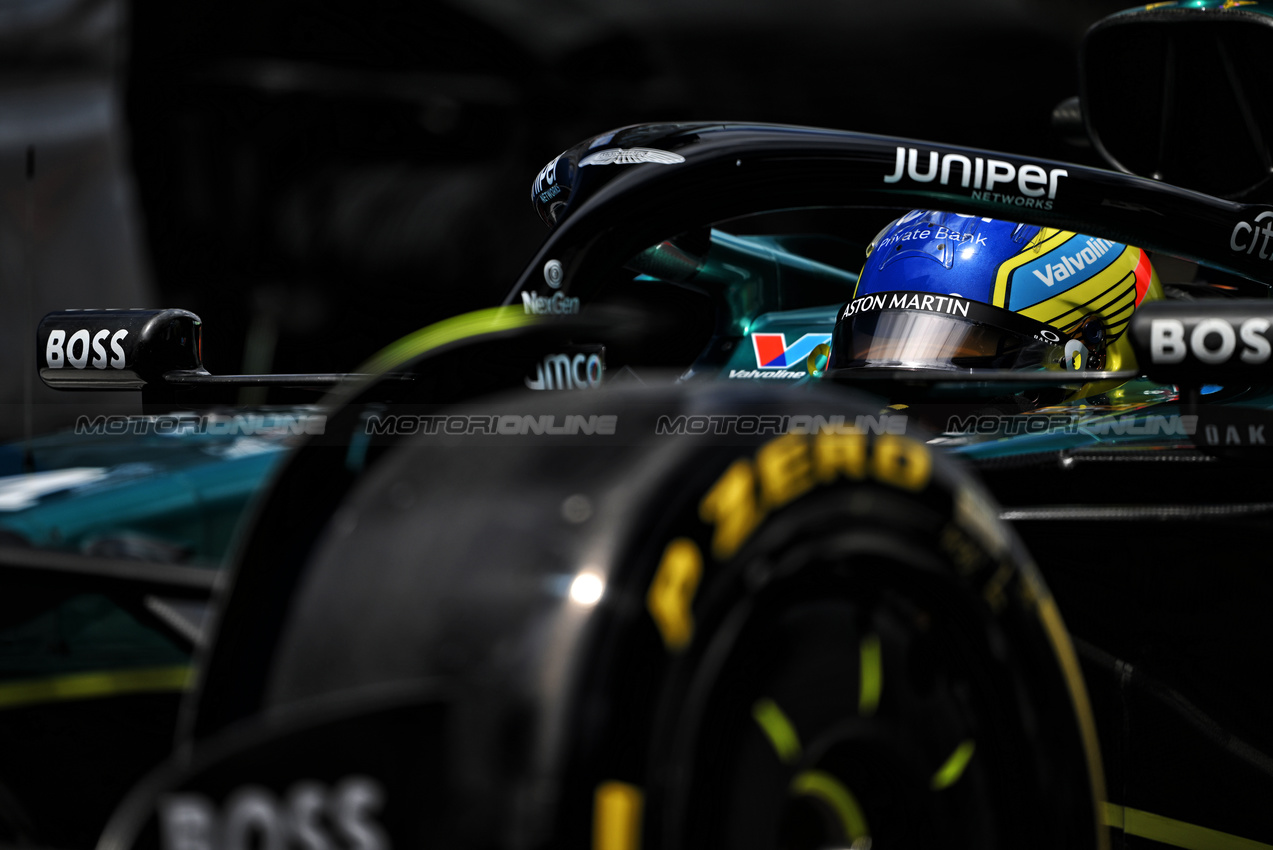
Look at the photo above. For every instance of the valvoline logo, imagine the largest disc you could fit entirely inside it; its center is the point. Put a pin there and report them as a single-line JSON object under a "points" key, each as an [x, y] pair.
{"points": [[772, 351]]}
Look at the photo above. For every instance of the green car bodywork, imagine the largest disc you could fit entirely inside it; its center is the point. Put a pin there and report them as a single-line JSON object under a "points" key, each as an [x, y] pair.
{"points": [[176, 498]]}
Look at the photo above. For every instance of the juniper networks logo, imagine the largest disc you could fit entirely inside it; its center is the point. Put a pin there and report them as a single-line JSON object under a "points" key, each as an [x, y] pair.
{"points": [[545, 187], [991, 179]]}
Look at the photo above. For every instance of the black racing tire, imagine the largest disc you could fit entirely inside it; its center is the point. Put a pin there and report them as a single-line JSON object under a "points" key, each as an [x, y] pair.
{"points": [[781, 641]]}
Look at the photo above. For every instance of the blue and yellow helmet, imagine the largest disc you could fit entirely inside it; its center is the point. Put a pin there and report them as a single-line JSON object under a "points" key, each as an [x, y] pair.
{"points": [[956, 292]]}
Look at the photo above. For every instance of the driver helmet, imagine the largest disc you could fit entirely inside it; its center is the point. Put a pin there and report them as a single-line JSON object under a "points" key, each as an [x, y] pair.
{"points": [[957, 292]]}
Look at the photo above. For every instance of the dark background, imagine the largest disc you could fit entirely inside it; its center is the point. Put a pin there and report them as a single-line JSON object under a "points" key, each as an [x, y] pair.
{"points": [[316, 178]]}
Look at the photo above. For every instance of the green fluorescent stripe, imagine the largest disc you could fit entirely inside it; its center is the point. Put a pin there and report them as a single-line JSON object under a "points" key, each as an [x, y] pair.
{"points": [[777, 729], [490, 320], [824, 786], [91, 685], [872, 670], [948, 774], [1174, 832]]}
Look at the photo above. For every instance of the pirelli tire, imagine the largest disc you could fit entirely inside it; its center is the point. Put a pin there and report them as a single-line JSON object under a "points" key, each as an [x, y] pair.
{"points": [[706, 638]]}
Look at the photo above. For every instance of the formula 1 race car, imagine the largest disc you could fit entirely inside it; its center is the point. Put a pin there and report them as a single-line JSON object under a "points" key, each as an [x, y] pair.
{"points": [[752, 517]]}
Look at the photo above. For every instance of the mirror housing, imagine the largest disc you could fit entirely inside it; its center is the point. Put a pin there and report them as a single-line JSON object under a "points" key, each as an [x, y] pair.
{"points": [[1176, 92], [1205, 342], [117, 349]]}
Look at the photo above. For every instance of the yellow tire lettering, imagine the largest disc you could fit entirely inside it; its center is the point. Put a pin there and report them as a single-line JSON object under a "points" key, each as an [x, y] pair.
{"points": [[731, 507], [902, 462], [616, 816], [836, 455], [672, 592], [784, 469]]}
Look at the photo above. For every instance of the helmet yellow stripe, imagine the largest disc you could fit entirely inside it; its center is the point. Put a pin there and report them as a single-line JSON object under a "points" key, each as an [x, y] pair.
{"points": [[1046, 239], [1101, 303], [1101, 294]]}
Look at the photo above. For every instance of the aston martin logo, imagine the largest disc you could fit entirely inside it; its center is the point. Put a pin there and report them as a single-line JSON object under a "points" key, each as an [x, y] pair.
{"points": [[631, 156]]}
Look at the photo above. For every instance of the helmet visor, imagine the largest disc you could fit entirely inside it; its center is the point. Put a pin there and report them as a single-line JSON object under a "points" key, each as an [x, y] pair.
{"points": [[914, 339]]}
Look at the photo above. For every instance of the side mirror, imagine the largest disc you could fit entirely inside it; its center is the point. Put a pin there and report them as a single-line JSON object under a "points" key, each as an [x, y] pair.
{"points": [[116, 349], [1177, 92], [1195, 343], [1227, 345]]}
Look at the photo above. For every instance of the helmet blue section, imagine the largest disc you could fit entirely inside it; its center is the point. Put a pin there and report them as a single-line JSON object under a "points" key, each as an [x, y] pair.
{"points": [[943, 253]]}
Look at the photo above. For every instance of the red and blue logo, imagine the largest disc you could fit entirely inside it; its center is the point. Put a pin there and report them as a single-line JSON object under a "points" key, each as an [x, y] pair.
{"points": [[772, 351]]}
